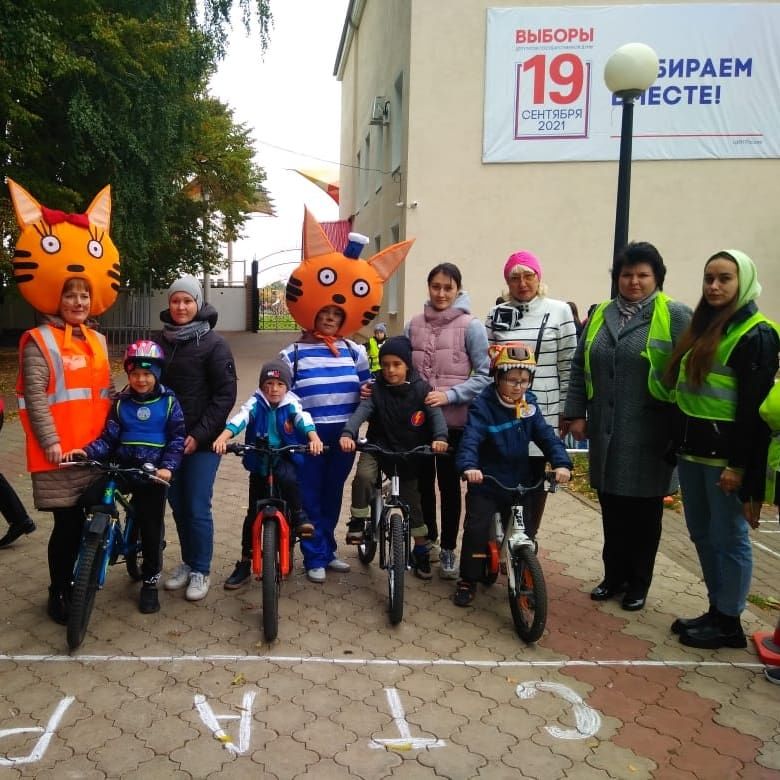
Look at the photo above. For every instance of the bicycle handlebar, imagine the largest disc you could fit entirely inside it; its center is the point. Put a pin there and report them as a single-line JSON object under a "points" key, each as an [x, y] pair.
{"points": [[548, 477], [147, 471], [237, 448], [423, 449]]}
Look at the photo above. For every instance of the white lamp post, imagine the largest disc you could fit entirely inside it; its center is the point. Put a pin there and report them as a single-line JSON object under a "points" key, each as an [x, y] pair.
{"points": [[629, 71]]}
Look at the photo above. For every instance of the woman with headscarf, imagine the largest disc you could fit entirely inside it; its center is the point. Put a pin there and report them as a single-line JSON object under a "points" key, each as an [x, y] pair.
{"points": [[200, 370], [546, 325], [723, 366]]}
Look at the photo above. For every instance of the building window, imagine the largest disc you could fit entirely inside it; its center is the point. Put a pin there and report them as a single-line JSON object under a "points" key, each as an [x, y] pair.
{"points": [[396, 122]]}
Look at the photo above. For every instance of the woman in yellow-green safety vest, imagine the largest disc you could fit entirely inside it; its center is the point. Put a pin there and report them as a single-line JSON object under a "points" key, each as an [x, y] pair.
{"points": [[723, 369], [617, 399]]}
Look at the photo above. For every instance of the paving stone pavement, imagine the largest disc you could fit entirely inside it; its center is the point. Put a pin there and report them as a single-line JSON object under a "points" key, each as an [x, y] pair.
{"points": [[194, 692]]}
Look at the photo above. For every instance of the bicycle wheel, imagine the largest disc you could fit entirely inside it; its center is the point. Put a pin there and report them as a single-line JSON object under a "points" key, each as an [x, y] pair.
{"points": [[396, 566], [367, 549], [133, 557], [85, 586], [527, 594], [271, 579]]}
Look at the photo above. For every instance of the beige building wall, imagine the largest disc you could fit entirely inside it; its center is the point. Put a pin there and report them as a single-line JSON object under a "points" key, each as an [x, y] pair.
{"points": [[476, 214]]}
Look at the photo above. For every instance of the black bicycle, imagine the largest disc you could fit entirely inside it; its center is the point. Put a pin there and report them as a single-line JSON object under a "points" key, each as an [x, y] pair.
{"points": [[273, 539], [513, 552], [388, 529], [108, 535]]}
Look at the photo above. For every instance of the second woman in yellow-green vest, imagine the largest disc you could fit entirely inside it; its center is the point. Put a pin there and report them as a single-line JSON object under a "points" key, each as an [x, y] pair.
{"points": [[617, 399], [724, 367]]}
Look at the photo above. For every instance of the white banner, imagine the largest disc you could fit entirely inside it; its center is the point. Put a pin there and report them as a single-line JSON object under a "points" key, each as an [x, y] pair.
{"points": [[716, 95]]}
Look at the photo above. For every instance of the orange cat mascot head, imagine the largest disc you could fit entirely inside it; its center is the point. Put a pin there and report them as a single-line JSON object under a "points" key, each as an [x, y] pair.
{"points": [[54, 247], [327, 277]]}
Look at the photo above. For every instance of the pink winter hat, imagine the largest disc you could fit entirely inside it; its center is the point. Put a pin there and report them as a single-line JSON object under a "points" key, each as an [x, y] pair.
{"points": [[523, 257]]}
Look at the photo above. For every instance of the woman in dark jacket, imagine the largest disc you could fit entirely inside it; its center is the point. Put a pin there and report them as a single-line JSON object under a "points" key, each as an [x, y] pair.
{"points": [[199, 368], [724, 366], [617, 400]]}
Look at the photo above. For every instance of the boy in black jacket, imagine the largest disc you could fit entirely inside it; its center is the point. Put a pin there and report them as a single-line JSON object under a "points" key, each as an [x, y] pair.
{"points": [[398, 420]]}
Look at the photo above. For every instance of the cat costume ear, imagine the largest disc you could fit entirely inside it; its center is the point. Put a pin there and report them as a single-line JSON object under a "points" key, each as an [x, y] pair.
{"points": [[54, 246], [327, 277]]}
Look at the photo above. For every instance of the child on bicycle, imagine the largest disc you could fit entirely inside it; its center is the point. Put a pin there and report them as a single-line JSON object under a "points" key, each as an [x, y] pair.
{"points": [[145, 424], [502, 420], [398, 420], [273, 413]]}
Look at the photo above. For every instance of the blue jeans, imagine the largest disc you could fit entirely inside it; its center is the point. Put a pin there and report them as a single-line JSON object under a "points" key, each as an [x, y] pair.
{"points": [[190, 498], [719, 530], [322, 480]]}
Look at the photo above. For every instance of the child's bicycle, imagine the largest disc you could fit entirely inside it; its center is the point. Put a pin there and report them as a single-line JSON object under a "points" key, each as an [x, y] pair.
{"points": [[512, 552], [108, 534], [273, 540], [388, 528]]}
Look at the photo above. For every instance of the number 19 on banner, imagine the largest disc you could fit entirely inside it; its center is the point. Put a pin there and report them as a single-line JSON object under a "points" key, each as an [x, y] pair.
{"points": [[552, 97]]}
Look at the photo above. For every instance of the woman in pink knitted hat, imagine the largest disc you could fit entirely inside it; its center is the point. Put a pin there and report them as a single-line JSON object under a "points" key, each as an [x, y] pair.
{"points": [[528, 315]]}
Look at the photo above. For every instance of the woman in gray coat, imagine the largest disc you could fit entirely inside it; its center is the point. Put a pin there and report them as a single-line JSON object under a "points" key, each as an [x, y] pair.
{"points": [[617, 399]]}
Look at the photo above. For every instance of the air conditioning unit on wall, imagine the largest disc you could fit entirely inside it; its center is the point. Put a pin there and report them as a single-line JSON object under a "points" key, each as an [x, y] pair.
{"points": [[380, 111]]}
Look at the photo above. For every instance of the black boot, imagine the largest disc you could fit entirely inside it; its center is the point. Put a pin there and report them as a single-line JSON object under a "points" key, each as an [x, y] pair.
{"points": [[149, 601], [57, 608], [686, 624], [16, 530], [724, 631]]}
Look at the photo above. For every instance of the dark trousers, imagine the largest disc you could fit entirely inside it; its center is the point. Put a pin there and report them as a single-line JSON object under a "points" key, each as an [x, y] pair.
{"points": [[632, 532], [441, 469], [534, 502], [11, 507], [480, 509], [64, 545], [286, 480], [148, 504]]}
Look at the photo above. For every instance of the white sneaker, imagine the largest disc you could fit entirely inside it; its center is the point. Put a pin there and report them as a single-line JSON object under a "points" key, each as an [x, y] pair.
{"points": [[434, 551], [198, 587], [447, 565], [179, 578], [338, 565], [316, 575]]}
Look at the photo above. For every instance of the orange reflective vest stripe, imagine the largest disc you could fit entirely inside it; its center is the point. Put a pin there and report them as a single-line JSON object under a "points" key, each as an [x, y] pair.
{"points": [[78, 389]]}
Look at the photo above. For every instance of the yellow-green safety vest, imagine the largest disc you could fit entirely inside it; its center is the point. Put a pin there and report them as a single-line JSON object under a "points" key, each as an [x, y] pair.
{"points": [[657, 351], [716, 399], [770, 413]]}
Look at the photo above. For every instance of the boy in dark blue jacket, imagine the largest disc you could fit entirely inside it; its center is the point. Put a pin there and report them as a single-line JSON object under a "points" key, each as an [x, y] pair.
{"points": [[145, 425], [502, 420]]}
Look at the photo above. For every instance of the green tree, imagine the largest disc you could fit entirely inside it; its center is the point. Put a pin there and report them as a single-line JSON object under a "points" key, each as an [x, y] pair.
{"points": [[99, 91]]}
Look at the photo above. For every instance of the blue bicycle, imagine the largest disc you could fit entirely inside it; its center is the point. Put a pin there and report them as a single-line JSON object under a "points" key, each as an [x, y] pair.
{"points": [[108, 535]]}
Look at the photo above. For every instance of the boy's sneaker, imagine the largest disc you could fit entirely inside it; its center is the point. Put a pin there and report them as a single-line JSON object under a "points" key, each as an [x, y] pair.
{"points": [[179, 578], [241, 575], [772, 673], [198, 586], [434, 551], [303, 527], [149, 601], [337, 564], [317, 574], [356, 529], [464, 593], [447, 566], [421, 563]]}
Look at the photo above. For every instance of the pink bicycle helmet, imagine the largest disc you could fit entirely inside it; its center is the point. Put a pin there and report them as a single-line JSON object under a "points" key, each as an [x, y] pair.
{"points": [[144, 354]]}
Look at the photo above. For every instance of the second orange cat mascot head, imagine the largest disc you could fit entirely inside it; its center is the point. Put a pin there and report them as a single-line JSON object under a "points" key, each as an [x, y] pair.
{"points": [[54, 247], [327, 277]]}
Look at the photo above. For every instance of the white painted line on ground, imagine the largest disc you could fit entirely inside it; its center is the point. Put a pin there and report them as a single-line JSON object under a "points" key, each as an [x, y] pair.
{"points": [[352, 661], [765, 548]]}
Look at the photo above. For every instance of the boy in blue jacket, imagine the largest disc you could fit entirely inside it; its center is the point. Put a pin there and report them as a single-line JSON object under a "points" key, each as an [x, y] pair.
{"points": [[275, 414], [145, 424], [502, 420]]}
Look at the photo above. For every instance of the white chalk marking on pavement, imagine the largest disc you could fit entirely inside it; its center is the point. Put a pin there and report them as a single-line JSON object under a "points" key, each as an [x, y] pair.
{"points": [[406, 740], [765, 548], [211, 721], [43, 743], [586, 719], [352, 661]]}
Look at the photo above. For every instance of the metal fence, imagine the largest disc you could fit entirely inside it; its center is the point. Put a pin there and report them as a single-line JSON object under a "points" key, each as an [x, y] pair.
{"points": [[128, 319]]}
